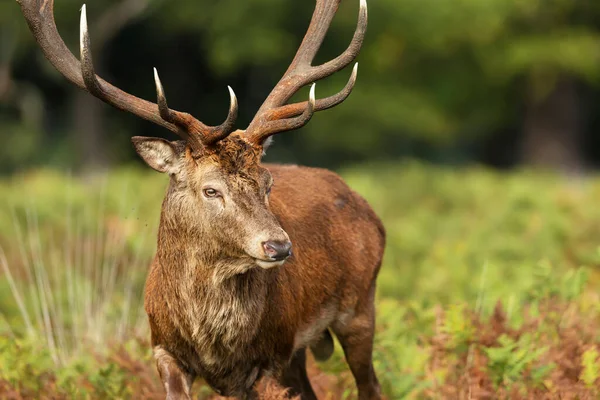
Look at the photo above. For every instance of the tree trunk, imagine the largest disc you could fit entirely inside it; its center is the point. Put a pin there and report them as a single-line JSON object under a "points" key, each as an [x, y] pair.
{"points": [[88, 130], [553, 130]]}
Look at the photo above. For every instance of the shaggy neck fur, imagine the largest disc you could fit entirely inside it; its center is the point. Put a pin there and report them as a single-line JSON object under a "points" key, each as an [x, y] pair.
{"points": [[219, 317], [217, 297]]}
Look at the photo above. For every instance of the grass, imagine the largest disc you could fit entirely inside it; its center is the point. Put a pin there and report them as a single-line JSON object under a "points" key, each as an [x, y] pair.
{"points": [[489, 287]]}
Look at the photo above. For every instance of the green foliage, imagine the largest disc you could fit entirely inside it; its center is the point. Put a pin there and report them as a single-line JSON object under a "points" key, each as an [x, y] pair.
{"points": [[511, 359], [590, 361], [27, 366], [399, 358], [111, 382], [459, 243], [444, 226], [22, 360], [458, 327]]}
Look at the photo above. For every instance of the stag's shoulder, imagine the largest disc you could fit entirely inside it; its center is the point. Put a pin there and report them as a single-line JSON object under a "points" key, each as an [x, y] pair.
{"points": [[303, 178], [323, 192]]}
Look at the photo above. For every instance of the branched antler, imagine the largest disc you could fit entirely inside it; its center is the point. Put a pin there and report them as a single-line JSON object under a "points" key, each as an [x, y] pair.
{"points": [[274, 115], [40, 18]]}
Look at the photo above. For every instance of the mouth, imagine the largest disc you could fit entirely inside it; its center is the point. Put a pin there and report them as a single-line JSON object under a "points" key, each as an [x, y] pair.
{"points": [[268, 264]]}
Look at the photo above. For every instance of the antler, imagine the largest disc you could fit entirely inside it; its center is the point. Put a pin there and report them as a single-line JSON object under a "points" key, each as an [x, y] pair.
{"points": [[274, 115], [40, 18]]}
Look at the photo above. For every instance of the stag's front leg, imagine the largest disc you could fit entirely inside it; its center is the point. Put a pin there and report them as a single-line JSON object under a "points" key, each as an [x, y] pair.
{"points": [[177, 382], [251, 394], [296, 378]]}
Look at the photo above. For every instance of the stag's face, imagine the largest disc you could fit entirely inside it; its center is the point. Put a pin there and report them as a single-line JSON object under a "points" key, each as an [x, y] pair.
{"points": [[224, 195]]}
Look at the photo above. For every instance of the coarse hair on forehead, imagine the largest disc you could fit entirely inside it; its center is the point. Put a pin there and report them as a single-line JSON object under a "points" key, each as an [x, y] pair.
{"points": [[235, 156]]}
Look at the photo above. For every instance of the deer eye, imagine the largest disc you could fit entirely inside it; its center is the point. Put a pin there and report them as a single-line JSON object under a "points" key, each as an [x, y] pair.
{"points": [[210, 192], [269, 190]]}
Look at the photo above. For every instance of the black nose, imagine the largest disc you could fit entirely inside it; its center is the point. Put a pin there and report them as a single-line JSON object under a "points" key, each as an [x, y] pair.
{"points": [[278, 250]]}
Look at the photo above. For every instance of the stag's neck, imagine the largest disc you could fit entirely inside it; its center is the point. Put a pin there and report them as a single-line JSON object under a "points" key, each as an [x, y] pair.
{"points": [[217, 302], [190, 253]]}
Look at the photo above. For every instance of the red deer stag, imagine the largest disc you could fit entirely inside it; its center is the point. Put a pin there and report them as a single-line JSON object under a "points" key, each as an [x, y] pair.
{"points": [[221, 303]]}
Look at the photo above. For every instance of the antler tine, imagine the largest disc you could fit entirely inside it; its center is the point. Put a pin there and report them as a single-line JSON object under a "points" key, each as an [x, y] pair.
{"points": [[173, 117], [292, 110], [207, 135], [39, 15], [301, 72], [161, 99], [288, 124], [87, 64], [350, 54], [222, 131], [322, 17]]}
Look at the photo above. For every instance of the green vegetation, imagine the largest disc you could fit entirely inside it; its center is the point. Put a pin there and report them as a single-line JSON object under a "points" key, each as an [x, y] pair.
{"points": [[489, 286]]}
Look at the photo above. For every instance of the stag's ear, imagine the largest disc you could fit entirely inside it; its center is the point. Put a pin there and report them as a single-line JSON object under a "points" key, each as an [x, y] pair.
{"points": [[267, 144], [159, 154]]}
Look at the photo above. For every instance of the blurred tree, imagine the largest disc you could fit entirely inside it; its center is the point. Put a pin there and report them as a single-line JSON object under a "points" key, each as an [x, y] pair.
{"points": [[472, 67], [435, 76], [21, 103]]}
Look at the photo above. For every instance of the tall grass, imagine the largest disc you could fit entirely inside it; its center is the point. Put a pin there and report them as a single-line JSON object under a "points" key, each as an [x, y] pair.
{"points": [[79, 286]]}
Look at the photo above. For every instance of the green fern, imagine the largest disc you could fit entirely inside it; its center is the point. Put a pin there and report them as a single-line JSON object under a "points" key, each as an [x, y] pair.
{"points": [[508, 363], [591, 367], [458, 327]]}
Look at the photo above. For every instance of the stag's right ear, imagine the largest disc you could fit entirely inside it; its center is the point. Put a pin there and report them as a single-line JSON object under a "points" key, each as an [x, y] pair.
{"points": [[159, 154]]}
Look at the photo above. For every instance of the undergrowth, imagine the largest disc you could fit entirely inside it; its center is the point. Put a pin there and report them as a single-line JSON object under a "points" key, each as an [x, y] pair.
{"points": [[482, 293]]}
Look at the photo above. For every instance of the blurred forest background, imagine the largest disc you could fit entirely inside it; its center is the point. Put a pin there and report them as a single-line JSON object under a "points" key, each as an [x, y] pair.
{"points": [[500, 82]]}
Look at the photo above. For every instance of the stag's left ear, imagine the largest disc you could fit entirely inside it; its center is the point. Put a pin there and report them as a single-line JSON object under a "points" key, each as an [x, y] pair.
{"points": [[159, 154], [267, 144]]}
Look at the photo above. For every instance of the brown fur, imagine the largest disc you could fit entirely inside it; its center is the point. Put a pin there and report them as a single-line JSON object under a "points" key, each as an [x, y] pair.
{"points": [[214, 313]]}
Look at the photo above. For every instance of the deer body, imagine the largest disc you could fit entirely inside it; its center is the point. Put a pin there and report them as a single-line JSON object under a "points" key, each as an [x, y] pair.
{"points": [[226, 299], [233, 331]]}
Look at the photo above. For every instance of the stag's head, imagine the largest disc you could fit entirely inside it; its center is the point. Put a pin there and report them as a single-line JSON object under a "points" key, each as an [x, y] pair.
{"points": [[220, 194], [218, 186]]}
